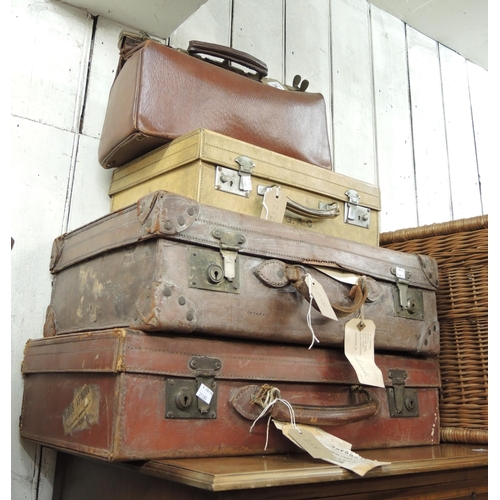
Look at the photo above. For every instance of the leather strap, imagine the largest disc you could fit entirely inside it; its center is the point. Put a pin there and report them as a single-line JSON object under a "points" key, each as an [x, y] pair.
{"points": [[363, 406]]}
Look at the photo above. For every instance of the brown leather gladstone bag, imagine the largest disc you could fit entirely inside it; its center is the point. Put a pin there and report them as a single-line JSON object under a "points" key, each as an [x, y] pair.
{"points": [[126, 395], [161, 93], [169, 263]]}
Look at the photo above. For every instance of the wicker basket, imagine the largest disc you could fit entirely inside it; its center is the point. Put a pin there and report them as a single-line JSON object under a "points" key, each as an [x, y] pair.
{"points": [[461, 250]]}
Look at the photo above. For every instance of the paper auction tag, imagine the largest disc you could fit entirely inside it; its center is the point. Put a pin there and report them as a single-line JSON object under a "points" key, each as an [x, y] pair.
{"points": [[337, 274], [359, 350], [319, 295], [205, 394], [325, 438], [273, 205], [313, 440]]}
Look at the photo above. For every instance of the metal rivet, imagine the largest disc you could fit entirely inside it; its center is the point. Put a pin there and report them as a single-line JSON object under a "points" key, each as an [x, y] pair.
{"points": [[190, 316], [167, 291], [191, 211], [170, 414], [212, 414], [168, 225], [182, 301], [171, 382], [181, 220], [241, 239], [192, 363]]}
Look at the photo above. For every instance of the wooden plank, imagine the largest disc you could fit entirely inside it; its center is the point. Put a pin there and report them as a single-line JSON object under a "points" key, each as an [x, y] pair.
{"points": [[464, 180], [102, 73], [353, 110], [89, 198], [481, 101], [307, 48], [49, 65], [258, 28], [39, 179], [393, 122], [429, 139], [210, 23]]}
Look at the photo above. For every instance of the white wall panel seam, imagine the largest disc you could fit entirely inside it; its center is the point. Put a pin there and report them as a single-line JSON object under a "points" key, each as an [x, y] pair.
{"points": [[411, 123], [374, 113], [69, 189], [83, 77], [445, 127], [475, 142]]}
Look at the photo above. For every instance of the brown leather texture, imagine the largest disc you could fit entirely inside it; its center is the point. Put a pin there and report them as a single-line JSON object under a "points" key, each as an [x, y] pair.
{"points": [[140, 268], [161, 94], [104, 394]]}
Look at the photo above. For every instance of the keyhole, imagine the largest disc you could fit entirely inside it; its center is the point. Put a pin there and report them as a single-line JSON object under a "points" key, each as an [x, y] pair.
{"points": [[183, 398], [215, 274], [410, 404]]}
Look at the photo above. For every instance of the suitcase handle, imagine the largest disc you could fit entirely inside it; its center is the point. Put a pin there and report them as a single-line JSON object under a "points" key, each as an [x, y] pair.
{"points": [[329, 211], [229, 55], [277, 274], [250, 402], [358, 294]]}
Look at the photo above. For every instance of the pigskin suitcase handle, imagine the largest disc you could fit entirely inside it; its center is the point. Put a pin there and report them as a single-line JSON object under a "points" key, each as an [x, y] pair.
{"points": [[229, 55], [247, 401]]}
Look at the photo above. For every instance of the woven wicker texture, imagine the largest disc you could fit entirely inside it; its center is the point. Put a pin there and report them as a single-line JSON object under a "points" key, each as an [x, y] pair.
{"points": [[461, 251]]}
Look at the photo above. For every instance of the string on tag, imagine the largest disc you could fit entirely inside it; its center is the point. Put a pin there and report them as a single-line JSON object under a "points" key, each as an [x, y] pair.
{"points": [[308, 317], [361, 315], [267, 397], [267, 191]]}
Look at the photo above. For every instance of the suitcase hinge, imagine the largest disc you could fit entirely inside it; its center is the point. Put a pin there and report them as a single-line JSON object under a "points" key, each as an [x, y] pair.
{"points": [[188, 398], [408, 303], [403, 401], [230, 244], [239, 183], [354, 213]]}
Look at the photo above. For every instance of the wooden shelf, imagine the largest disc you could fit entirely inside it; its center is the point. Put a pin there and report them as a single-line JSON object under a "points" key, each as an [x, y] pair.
{"points": [[428, 472]]}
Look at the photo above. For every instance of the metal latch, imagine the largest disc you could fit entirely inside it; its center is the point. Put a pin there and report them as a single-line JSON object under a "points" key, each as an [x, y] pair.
{"points": [[206, 271], [235, 182], [194, 398], [408, 303], [229, 247], [354, 213], [403, 401]]}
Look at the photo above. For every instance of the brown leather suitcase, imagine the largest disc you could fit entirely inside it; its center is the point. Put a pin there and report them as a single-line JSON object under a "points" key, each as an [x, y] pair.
{"points": [[161, 93], [126, 395], [169, 263]]}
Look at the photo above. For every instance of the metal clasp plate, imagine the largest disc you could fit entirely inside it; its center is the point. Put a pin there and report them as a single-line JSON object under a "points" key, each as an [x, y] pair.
{"points": [[354, 213], [182, 400], [403, 401], [235, 182], [408, 302]]}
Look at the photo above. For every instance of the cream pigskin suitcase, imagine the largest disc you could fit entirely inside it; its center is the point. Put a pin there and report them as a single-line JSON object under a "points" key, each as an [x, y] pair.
{"points": [[227, 173]]}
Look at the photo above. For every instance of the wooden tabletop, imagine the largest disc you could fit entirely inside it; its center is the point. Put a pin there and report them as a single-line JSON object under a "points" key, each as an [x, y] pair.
{"points": [[238, 473]]}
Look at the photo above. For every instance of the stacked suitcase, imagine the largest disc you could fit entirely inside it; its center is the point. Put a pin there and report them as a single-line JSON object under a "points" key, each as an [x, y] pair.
{"points": [[172, 316]]}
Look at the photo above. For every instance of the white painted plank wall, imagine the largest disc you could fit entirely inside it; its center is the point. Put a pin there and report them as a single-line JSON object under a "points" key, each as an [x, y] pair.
{"points": [[404, 112], [393, 130]]}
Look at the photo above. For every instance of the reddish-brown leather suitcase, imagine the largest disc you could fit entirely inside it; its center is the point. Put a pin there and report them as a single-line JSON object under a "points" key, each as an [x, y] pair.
{"points": [[126, 395], [161, 93], [170, 263]]}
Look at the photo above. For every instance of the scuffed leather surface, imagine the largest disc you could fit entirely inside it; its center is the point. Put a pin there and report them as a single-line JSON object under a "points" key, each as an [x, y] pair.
{"points": [[163, 94]]}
